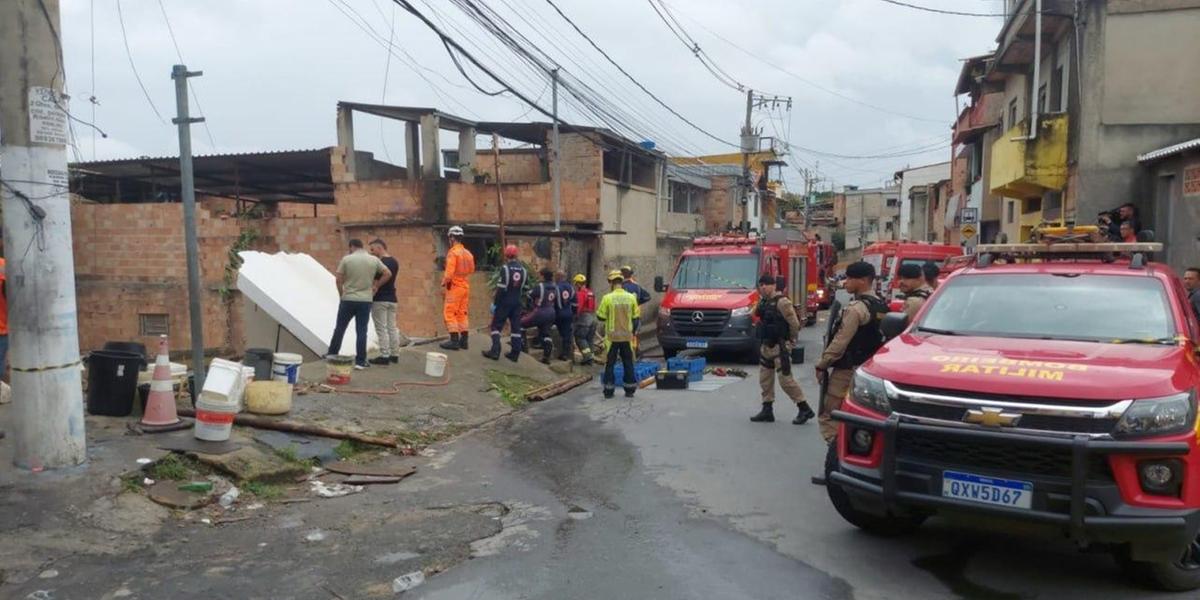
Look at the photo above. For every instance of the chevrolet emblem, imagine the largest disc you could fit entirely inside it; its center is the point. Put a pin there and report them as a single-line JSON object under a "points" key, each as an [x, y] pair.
{"points": [[991, 417]]}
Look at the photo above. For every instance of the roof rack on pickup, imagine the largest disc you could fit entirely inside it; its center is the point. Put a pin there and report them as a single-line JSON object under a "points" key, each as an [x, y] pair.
{"points": [[1104, 251]]}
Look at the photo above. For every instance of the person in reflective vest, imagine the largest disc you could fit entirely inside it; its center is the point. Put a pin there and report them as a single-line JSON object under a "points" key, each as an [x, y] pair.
{"points": [[620, 315], [460, 264], [544, 300], [585, 319], [566, 315], [506, 306]]}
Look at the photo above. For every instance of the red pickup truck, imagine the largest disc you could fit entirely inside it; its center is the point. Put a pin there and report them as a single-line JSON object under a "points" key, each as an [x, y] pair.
{"points": [[1049, 385]]}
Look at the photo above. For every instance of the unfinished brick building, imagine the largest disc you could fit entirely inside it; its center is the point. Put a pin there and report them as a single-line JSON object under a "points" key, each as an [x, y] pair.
{"points": [[132, 282]]}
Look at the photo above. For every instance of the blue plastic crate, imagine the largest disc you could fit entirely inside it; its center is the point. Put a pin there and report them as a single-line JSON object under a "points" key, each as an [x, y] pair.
{"points": [[642, 370], [693, 365]]}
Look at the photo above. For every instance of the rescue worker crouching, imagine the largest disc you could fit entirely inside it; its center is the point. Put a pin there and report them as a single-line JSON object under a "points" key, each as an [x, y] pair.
{"points": [[460, 264], [619, 313], [778, 326], [915, 287], [544, 301], [507, 306], [585, 319], [856, 337]]}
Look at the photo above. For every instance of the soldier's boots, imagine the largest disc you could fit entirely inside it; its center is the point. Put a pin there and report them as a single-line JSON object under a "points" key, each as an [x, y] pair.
{"points": [[513, 356], [806, 413], [451, 344], [493, 354], [766, 415]]}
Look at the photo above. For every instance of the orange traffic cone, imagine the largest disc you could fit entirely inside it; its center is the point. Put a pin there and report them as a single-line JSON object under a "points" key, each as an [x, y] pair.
{"points": [[160, 404]]}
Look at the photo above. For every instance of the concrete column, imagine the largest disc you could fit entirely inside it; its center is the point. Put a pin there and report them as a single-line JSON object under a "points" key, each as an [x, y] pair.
{"points": [[431, 152], [345, 140], [412, 149], [466, 154]]}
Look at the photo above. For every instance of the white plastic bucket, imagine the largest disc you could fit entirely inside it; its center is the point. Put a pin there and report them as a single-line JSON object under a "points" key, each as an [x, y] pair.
{"points": [[286, 367], [223, 383], [435, 364], [214, 420]]}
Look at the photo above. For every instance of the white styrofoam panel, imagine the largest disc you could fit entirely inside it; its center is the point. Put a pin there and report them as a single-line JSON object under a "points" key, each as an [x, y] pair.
{"points": [[299, 293]]}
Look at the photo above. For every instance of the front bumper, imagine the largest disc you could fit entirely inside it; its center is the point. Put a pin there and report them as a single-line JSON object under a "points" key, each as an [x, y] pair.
{"points": [[1084, 505], [737, 335]]}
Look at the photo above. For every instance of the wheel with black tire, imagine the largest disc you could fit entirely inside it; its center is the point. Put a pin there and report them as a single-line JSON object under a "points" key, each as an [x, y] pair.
{"points": [[884, 526], [1179, 575], [811, 320]]}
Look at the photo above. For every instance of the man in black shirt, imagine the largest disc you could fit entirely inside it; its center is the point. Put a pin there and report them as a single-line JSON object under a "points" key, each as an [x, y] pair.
{"points": [[383, 307], [1191, 281]]}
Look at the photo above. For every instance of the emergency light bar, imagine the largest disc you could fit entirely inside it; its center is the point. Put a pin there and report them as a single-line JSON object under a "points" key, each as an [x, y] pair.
{"points": [[1069, 248]]}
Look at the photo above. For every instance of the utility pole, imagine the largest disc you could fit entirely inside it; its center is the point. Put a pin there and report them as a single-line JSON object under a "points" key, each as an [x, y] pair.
{"points": [[43, 333], [554, 156], [180, 74], [748, 146], [499, 195]]}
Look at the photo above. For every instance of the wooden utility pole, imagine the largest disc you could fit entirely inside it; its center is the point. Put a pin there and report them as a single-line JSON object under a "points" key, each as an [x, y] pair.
{"points": [[499, 195], [43, 334]]}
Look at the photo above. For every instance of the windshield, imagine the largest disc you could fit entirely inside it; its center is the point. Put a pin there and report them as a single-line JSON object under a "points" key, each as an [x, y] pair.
{"points": [[1101, 308], [716, 272]]}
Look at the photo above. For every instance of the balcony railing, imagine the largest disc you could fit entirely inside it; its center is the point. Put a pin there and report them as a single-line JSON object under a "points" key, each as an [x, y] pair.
{"points": [[1024, 168]]}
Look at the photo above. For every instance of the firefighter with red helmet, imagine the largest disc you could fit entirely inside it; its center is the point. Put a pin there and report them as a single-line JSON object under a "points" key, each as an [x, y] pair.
{"points": [[506, 306]]}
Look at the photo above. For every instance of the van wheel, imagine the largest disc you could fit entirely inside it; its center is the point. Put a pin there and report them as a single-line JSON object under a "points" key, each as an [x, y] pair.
{"points": [[811, 320], [1179, 575], [887, 526]]}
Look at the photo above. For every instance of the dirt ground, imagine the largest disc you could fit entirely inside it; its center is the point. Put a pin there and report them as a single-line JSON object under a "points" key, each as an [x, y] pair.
{"points": [[101, 511]]}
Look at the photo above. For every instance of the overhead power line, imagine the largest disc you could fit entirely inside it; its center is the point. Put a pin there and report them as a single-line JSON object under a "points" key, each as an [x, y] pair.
{"points": [[812, 83], [179, 53], [136, 75], [632, 78], [943, 11]]}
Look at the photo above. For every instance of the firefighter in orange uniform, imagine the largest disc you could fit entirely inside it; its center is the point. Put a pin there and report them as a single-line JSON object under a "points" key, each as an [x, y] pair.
{"points": [[460, 263]]}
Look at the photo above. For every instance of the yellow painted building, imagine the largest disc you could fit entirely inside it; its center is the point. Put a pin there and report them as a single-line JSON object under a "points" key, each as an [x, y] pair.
{"points": [[1025, 170]]}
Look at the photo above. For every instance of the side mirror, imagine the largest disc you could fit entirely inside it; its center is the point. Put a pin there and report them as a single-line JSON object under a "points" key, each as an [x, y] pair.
{"points": [[659, 285], [893, 324]]}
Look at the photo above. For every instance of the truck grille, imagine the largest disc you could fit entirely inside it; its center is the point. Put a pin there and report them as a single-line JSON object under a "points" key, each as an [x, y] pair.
{"points": [[948, 451], [709, 324], [1050, 423]]}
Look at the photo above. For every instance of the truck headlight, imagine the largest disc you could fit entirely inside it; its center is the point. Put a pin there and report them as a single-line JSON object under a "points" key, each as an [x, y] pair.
{"points": [[740, 312], [869, 391], [1157, 416], [664, 312]]}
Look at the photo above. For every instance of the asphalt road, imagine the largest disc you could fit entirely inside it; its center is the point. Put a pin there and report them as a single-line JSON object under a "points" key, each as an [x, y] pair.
{"points": [[678, 495]]}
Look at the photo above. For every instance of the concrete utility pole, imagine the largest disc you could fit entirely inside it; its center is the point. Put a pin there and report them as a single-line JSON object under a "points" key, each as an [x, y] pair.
{"points": [[43, 330], [180, 74], [747, 148], [554, 156]]}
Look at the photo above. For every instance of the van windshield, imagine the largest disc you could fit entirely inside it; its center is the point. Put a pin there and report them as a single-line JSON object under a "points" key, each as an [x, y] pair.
{"points": [[1099, 308], [716, 272]]}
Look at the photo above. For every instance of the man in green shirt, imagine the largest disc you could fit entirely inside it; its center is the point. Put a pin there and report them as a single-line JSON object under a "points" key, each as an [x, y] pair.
{"points": [[619, 314], [358, 275]]}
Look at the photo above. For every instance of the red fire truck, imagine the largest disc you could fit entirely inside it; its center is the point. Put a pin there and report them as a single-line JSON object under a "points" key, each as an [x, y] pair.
{"points": [[822, 256], [888, 256], [1051, 385], [708, 301]]}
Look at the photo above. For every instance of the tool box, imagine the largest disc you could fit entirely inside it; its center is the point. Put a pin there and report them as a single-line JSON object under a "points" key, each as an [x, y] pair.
{"points": [[671, 380]]}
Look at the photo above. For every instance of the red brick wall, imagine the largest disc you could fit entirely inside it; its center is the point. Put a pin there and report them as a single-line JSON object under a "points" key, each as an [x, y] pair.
{"points": [[516, 166], [531, 203], [386, 200]]}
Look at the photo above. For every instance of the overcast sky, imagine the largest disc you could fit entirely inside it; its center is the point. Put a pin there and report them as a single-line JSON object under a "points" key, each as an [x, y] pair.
{"points": [[275, 69]]}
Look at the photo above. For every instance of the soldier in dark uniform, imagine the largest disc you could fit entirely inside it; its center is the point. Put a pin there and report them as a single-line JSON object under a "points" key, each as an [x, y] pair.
{"points": [[778, 327], [856, 337], [916, 290], [506, 306]]}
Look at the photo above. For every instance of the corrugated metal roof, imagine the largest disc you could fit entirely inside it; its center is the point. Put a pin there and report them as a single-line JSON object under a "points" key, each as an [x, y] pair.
{"points": [[1169, 151]]}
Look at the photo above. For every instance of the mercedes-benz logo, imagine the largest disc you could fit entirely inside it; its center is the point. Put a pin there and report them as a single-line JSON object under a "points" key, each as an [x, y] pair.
{"points": [[697, 317]]}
